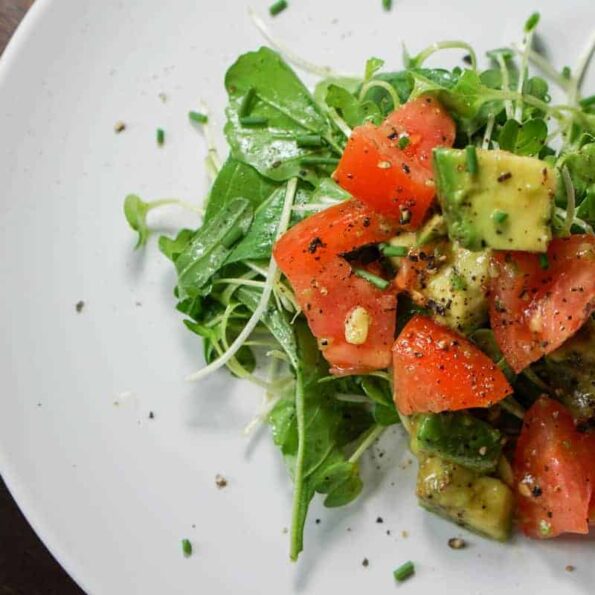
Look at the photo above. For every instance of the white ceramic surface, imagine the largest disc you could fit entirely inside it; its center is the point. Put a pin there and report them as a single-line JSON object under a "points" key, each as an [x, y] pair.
{"points": [[111, 491]]}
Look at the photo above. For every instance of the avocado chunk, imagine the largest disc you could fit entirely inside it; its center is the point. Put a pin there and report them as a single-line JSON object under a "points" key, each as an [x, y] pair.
{"points": [[570, 372], [505, 204], [456, 291], [459, 438], [479, 503]]}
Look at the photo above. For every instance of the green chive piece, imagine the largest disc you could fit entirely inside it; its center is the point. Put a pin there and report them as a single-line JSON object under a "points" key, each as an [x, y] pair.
{"points": [[308, 140], [471, 156], [253, 121], [389, 250], [372, 278], [387, 4], [544, 262], [499, 216], [403, 572], [247, 101], [404, 142], [532, 22], [277, 7], [160, 136], [198, 117], [319, 161], [566, 72], [186, 548]]}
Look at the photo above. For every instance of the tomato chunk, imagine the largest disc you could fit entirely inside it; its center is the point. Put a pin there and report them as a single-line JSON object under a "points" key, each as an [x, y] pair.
{"points": [[310, 256], [435, 369], [533, 310], [397, 182], [553, 472]]}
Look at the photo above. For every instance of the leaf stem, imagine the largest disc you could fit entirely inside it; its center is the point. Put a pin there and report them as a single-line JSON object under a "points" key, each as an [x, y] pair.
{"points": [[382, 85], [445, 45], [371, 436]]}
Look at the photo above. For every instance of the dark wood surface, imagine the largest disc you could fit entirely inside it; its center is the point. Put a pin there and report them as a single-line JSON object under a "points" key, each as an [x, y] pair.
{"points": [[26, 566]]}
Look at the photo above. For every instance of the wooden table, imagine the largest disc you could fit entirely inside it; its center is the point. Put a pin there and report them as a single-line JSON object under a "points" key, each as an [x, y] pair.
{"points": [[26, 566]]}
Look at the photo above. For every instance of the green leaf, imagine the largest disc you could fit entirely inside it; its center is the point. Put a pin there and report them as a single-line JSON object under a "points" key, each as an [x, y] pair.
{"points": [[281, 98], [316, 460], [385, 415], [581, 167], [135, 211], [329, 189], [341, 483], [351, 85], [283, 426], [236, 179], [275, 320], [171, 248], [350, 108], [373, 65], [523, 139], [401, 82], [210, 247], [586, 210], [257, 244]]}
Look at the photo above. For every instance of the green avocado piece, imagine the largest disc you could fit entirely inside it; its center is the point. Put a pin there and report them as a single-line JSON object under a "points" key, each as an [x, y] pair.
{"points": [[570, 371], [506, 203], [456, 292], [479, 503], [459, 438]]}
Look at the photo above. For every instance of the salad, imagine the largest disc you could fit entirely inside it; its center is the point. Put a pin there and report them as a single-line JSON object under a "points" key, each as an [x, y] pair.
{"points": [[408, 247]]}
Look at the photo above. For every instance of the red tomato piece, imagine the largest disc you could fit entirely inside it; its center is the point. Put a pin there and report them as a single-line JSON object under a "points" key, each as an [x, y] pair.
{"points": [[553, 473], [397, 182], [310, 256], [435, 369], [534, 310]]}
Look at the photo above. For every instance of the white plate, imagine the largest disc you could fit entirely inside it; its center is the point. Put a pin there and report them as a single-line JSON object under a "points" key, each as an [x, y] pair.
{"points": [[111, 491]]}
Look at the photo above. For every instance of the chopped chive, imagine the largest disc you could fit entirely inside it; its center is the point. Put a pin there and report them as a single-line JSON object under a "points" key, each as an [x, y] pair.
{"points": [[186, 548], [499, 216], [404, 572], [319, 161], [308, 140], [253, 121], [471, 156], [198, 117], [277, 7], [389, 250], [246, 105], [387, 4], [160, 136], [566, 72], [544, 262], [372, 278], [404, 142], [532, 22]]}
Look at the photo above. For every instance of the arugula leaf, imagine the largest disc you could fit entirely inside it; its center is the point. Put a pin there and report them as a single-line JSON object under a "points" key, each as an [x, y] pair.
{"points": [[586, 210], [523, 139], [351, 85], [314, 449], [210, 246], [172, 248], [289, 109], [401, 82], [373, 65], [257, 244], [275, 320], [236, 179], [341, 483], [328, 188], [581, 167], [350, 108], [135, 211]]}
